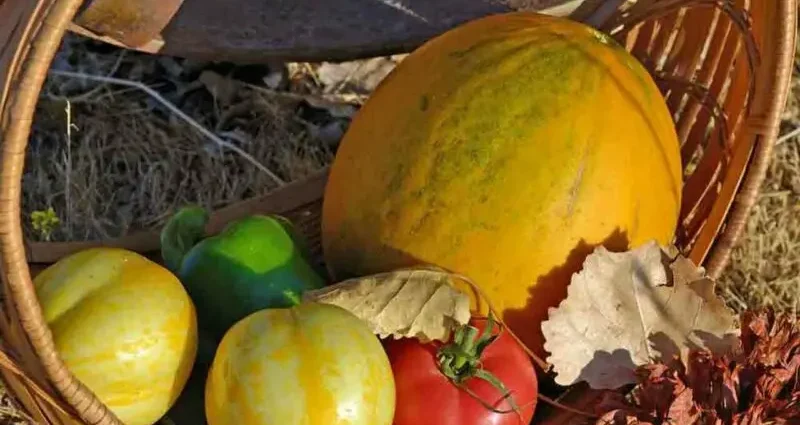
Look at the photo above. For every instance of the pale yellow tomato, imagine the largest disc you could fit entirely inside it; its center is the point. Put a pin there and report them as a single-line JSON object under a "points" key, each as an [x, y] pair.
{"points": [[124, 326], [313, 364]]}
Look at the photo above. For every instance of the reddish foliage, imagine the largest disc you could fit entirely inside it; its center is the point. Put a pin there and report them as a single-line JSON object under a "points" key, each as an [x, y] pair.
{"points": [[758, 385]]}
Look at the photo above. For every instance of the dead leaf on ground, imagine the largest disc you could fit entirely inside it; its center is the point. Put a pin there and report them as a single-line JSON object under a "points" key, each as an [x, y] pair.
{"points": [[360, 75], [627, 309], [415, 303], [222, 88], [337, 109]]}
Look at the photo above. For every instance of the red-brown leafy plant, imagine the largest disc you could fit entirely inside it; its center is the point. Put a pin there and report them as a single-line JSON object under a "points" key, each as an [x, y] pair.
{"points": [[758, 384]]}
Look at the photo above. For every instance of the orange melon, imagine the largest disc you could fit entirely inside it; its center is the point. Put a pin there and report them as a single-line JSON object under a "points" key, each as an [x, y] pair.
{"points": [[505, 149]]}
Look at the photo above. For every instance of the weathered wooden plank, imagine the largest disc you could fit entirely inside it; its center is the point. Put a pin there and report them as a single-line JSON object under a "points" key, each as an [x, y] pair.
{"points": [[263, 30]]}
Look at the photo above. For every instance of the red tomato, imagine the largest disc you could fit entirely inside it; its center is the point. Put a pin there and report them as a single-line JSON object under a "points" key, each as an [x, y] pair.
{"points": [[425, 396]]}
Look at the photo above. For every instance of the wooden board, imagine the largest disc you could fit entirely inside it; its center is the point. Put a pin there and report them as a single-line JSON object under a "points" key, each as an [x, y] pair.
{"points": [[299, 201], [251, 31]]}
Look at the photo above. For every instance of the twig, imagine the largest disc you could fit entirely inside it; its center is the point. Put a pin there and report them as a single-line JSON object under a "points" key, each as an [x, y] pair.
{"points": [[560, 405], [536, 359], [174, 109], [96, 89], [68, 171], [790, 135]]}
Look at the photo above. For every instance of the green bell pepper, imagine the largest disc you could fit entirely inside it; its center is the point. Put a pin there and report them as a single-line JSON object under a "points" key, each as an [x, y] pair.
{"points": [[254, 263]]}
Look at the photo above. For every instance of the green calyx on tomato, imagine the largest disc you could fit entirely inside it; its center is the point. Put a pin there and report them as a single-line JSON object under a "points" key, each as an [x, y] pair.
{"points": [[255, 263], [460, 361], [427, 396]]}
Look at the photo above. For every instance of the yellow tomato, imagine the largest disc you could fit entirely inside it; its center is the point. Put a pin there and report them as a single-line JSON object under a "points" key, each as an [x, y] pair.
{"points": [[313, 364], [124, 326]]}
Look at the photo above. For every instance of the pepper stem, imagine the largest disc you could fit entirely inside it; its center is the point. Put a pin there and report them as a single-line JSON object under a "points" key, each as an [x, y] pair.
{"points": [[183, 230], [460, 361]]}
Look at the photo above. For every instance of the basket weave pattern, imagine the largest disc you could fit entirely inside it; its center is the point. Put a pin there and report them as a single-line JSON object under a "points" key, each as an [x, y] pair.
{"points": [[725, 160]]}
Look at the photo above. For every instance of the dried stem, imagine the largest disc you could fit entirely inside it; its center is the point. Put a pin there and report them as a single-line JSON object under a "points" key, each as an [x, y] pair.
{"points": [[68, 165], [788, 136], [559, 405], [536, 359], [96, 89], [539, 362]]}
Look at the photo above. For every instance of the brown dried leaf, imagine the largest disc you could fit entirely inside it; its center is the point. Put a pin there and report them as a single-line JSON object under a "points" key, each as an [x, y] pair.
{"points": [[222, 88], [771, 344], [683, 409], [757, 384], [362, 76], [770, 339], [413, 303], [715, 386], [627, 309], [660, 384], [621, 417], [770, 412]]}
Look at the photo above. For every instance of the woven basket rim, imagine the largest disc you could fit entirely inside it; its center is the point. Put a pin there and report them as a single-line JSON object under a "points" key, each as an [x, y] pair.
{"points": [[45, 37], [44, 42], [767, 126]]}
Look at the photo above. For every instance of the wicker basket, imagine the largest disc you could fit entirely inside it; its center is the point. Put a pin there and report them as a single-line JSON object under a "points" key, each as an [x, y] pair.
{"points": [[728, 160]]}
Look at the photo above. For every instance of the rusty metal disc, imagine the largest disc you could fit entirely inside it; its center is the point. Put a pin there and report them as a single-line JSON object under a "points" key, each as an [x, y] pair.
{"points": [[132, 23], [251, 31]]}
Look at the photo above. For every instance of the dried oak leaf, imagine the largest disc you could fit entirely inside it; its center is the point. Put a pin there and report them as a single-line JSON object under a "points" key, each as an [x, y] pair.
{"points": [[414, 303], [771, 344], [627, 309], [661, 397], [621, 417]]}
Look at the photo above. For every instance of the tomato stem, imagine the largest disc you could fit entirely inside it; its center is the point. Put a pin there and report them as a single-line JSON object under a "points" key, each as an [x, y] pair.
{"points": [[463, 351], [460, 361]]}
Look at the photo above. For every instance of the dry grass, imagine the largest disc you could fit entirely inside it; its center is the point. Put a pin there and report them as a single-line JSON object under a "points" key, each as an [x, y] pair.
{"points": [[765, 267], [110, 160]]}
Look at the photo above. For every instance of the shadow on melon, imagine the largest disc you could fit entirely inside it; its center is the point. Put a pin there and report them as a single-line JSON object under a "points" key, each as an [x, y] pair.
{"points": [[551, 289]]}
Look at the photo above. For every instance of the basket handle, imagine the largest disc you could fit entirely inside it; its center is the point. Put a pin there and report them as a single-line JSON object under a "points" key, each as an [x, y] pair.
{"points": [[41, 26]]}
